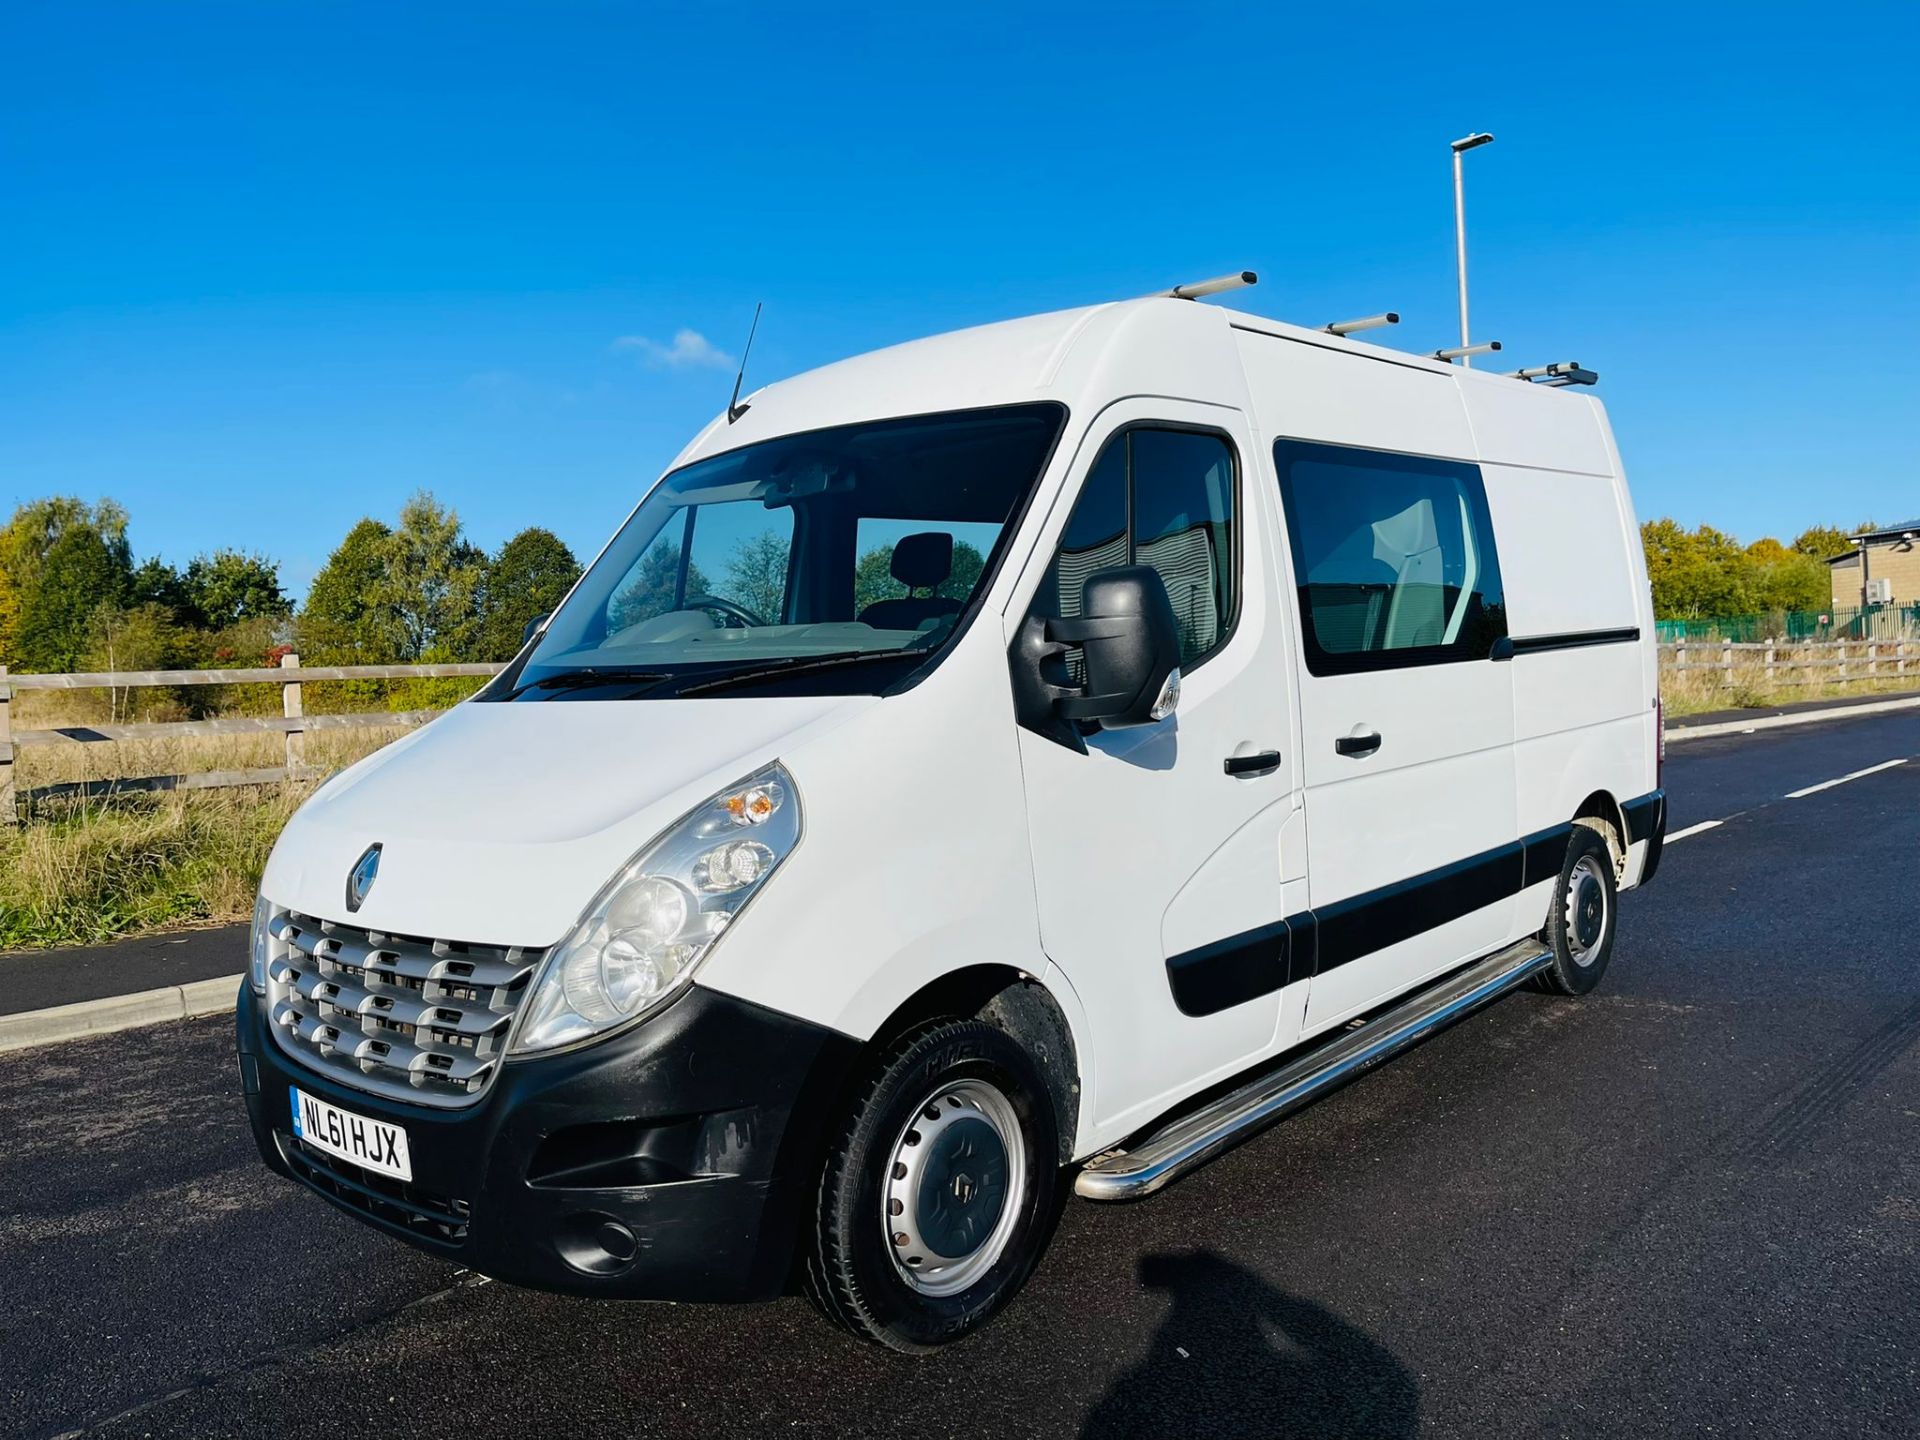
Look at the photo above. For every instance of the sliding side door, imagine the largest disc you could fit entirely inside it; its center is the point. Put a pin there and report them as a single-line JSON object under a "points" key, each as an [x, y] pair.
{"points": [[1407, 720]]}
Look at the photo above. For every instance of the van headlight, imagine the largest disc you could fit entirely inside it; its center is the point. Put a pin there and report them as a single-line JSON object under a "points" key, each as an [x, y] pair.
{"points": [[258, 944], [644, 934]]}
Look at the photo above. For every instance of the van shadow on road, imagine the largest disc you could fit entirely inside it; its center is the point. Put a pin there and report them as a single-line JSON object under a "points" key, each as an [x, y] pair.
{"points": [[1236, 1356]]}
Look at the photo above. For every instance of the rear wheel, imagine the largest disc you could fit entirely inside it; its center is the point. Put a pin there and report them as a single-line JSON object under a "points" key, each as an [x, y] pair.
{"points": [[1581, 918], [940, 1193]]}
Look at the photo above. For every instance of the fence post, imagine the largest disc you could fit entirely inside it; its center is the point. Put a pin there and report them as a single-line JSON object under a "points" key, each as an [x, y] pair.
{"points": [[8, 815], [1770, 643], [1726, 664], [1873, 659], [291, 708]]}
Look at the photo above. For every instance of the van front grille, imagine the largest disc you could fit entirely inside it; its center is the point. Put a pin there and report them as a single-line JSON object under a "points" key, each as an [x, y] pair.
{"points": [[410, 1019]]}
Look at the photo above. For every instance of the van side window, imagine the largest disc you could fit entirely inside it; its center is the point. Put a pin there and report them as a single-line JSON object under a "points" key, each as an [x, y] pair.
{"points": [[1162, 498], [1394, 557]]}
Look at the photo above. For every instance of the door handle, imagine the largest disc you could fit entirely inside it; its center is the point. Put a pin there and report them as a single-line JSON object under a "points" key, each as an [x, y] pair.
{"points": [[1264, 762], [1362, 742]]}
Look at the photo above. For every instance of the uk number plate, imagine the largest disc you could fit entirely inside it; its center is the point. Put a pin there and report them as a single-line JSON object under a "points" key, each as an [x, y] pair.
{"points": [[372, 1144]]}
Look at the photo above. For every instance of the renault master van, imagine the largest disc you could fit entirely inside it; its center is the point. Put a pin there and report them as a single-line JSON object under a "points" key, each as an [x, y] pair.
{"points": [[1029, 759]]}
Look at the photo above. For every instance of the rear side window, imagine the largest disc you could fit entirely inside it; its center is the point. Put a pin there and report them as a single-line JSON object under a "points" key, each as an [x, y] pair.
{"points": [[1162, 498], [1394, 557]]}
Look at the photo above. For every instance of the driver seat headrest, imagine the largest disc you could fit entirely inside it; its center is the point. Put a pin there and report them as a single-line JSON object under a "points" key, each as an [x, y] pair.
{"points": [[921, 561]]}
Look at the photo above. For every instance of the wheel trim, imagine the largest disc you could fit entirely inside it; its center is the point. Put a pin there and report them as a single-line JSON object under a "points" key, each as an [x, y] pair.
{"points": [[953, 1189], [1589, 911]]}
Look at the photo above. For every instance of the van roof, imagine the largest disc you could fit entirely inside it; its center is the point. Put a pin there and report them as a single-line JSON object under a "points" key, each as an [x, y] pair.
{"points": [[1153, 345]]}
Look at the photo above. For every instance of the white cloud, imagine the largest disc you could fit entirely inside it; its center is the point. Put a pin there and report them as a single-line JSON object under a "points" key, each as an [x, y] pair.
{"points": [[690, 350]]}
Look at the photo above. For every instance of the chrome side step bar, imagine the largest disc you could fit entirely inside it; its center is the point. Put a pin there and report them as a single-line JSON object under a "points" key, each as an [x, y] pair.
{"points": [[1192, 1140]]}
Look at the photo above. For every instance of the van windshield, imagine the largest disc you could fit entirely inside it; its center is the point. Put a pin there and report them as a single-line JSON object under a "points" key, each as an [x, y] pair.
{"points": [[833, 561]]}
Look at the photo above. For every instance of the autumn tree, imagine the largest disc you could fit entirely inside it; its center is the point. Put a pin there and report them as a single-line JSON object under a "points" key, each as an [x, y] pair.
{"points": [[1823, 542]]}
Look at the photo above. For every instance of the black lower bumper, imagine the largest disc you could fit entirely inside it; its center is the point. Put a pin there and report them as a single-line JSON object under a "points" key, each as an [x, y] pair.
{"points": [[669, 1162]]}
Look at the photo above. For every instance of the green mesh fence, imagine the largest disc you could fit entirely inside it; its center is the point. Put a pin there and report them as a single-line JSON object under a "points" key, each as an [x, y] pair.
{"points": [[1838, 623]]}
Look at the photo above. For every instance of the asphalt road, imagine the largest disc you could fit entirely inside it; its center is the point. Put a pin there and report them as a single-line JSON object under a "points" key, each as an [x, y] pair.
{"points": [[1689, 1203]]}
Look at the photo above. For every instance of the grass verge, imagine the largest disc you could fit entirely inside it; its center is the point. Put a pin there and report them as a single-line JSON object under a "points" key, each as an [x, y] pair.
{"points": [[108, 869]]}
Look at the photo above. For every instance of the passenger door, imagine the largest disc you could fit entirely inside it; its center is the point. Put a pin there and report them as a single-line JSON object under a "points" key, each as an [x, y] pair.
{"points": [[1151, 847], [1406, 720]]}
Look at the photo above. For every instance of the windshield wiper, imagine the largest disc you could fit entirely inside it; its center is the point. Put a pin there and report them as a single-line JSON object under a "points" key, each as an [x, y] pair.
{"points": [[785, 665], [588, 677]]}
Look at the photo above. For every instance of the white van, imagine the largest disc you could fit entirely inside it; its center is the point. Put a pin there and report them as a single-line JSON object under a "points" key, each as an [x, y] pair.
{"points": [[1043, 753]]}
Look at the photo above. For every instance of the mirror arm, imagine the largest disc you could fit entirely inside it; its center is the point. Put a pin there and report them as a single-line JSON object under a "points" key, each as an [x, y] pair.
{"points": [[1038, 655]]}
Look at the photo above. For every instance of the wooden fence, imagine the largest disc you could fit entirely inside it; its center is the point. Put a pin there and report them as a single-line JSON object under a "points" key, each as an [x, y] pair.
{"points": [[293, 723], [1774, 663], [1794, 663]]}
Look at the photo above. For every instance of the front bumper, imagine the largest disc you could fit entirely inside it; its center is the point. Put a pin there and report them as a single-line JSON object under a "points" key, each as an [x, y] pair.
{"points": [[668, 1162]]}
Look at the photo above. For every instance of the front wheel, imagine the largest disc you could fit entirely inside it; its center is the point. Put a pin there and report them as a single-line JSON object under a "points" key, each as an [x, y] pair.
{"points": [[940, 1193]]}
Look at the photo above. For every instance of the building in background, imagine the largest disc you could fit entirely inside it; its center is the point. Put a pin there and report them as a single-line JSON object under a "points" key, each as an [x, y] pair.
{"points": [[1892, 575]]}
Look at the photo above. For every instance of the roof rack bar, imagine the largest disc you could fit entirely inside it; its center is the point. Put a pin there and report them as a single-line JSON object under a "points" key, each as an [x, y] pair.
{"points": [[1371, 322], [1460, 352], [1236, 281]]}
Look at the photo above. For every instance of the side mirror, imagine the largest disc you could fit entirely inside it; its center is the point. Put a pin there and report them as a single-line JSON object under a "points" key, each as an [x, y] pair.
{"points": [[534, 627], [1131, 644]]}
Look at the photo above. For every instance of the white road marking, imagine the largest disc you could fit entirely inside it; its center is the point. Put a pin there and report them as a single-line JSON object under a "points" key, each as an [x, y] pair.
{"points": [[1829, 784], [1704, 825]]}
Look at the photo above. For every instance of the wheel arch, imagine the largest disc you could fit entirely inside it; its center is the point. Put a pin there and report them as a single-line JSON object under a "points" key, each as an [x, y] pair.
{"points": [[1601, 806], [1014, 1001]]}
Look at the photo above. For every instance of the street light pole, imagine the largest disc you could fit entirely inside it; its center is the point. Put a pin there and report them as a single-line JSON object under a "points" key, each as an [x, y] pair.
{"points": [[1460, 147]]}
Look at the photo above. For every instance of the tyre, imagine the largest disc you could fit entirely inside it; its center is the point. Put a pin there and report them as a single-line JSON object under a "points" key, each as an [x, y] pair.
{"points": [[1582, 916], [940, 1190]]}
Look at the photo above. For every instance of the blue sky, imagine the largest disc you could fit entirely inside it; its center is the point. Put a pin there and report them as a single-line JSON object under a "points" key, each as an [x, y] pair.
{"points": [[266, 268]]}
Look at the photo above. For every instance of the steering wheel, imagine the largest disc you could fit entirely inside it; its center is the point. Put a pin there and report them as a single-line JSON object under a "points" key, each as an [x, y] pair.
{"points": [[727, 608]]}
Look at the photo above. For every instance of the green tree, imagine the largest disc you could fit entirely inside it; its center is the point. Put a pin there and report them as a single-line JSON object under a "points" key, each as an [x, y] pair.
{"points": [[343, 618], [229, 586], [80, 573], [29, 537], [757, 574], [526, 580], [157, 583], [430, 587]]}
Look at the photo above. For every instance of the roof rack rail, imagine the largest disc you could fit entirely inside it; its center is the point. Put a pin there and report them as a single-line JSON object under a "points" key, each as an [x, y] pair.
{"points": [[1236, 281], [1561, 372], [1460, 352], [1371, 322]]}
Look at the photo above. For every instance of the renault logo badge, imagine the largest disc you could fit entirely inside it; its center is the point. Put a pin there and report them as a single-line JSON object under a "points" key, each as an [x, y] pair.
{"points": [[360, 879]]}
